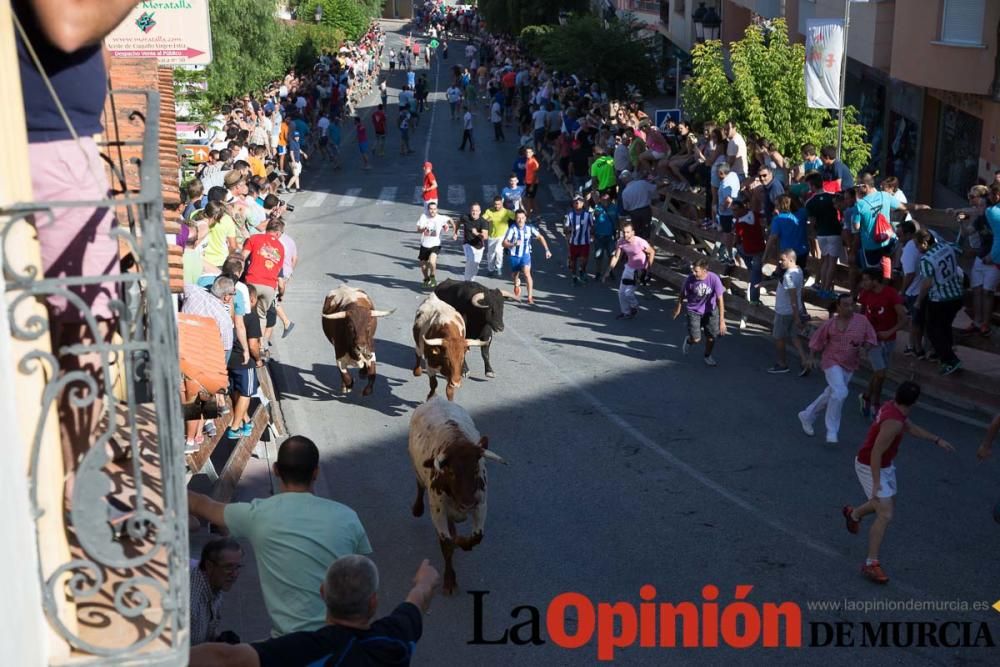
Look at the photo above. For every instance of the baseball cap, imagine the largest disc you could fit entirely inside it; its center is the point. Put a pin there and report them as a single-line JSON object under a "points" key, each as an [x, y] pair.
{"points": [[578, 197]]}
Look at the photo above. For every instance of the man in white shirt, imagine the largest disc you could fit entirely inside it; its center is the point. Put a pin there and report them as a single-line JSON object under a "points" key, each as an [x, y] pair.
{"points": [[431, 226], [454, 95], [467, 131], [538, 125], [787, 317], [496, 117], [736, 151]]}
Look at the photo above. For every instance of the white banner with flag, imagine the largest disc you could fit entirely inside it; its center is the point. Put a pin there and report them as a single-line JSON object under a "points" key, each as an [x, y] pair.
{"points": [[824, 53]]}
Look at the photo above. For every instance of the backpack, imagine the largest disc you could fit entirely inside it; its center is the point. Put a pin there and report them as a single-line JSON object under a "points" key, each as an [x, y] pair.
{"points": [[882, 230]]}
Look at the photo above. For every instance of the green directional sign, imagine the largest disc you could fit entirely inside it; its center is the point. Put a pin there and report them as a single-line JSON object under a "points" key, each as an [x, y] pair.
{"points": [[434, 44]]}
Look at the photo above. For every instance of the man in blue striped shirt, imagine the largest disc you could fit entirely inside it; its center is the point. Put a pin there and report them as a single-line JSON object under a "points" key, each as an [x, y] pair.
{"points": [[518, 240], [578, 228]]}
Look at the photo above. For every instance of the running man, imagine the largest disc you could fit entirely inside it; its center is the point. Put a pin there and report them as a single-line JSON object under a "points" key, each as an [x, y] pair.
{"points": [[531, 169], [578, 228], [431, 226], [378, 124], [500, 219], [879, 481], [512, 194], [430, 191], [475, 231], [518, 240], [467, 130], [702, 293], [362, 133], [639, 256]]}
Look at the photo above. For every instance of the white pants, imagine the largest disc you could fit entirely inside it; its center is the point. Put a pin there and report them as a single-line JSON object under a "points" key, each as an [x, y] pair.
{"points": [[626, 293], [832, 399], [494, 255], [472, 258]]}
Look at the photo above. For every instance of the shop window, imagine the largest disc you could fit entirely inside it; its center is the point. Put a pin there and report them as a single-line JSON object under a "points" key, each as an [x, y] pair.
{"points": [[962, 21], [958, 150]]}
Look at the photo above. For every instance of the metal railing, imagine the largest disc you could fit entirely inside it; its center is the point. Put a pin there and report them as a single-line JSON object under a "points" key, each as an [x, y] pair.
{"points": [[646, 6], [128, 570]]}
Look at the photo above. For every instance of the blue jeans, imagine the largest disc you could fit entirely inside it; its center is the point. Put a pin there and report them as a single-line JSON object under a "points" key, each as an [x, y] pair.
{"points": [[755, 264]]}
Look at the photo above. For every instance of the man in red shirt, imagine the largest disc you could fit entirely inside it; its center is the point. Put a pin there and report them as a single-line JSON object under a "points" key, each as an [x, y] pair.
{"points": [[883, 306], [378, 124], [430, 185], [879, 481], [530, 181], [265, 256]]}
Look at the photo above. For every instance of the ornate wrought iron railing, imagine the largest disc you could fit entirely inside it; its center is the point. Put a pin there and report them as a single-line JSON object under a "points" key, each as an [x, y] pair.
{"points": [[126, 580]]}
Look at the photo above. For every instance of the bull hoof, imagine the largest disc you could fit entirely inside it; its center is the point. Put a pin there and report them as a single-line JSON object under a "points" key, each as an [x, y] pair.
{"points": [[363, 371], [418, 509], [490, 374], [346, 389], [467, 543], [465, 373], [450, 585], [367, 391], [429, 396]]}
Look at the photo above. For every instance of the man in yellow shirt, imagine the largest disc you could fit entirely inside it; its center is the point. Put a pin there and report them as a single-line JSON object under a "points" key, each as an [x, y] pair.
{"points": [[499, 219]]}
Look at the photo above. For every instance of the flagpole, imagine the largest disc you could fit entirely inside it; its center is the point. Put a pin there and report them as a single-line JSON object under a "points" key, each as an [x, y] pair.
{"points": [[843, 79]]}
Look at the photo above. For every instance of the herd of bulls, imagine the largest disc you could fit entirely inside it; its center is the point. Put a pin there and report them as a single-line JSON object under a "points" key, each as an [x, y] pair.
{"points": [[446, 449]]}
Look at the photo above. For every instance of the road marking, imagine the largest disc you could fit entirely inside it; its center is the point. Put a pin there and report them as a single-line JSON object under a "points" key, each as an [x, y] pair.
{"points": [[315, 199], [387, 195], [350, 197], [558, 192], [418, 194], [456, 194], [434, 108], [489, 192]]}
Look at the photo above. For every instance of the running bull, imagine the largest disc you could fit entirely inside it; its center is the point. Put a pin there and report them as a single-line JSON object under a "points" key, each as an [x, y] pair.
{"points": [[439, 337], [480, 307], [349, 321], [449, 458]]}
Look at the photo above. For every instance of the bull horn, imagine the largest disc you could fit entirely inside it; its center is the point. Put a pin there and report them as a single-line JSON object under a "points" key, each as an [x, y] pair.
{"points": [[477, 300], [433, 342], [335, 316], [493, 456], [509, 295], [475, 342], [382, 313]]}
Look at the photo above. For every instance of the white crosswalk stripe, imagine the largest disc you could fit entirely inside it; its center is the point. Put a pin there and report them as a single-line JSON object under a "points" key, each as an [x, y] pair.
{"points": [[387, 195], [350, 197], [315, 199], [489, 192], [558, 191], [456, 194], [418, 195]]}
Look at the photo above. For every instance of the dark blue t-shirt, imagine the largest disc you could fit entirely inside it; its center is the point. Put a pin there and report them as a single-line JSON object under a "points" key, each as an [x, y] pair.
{"points": [[78, 78], [520, 164]]}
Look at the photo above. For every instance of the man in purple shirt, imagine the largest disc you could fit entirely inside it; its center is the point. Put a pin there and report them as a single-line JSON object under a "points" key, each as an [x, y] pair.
{"points": [[702, 293]]}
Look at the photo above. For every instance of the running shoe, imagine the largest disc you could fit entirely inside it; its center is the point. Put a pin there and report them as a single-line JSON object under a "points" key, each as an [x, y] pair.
{"points": [[209, 429], [874, 572], [686, 345], [427, 282], [190, 447], [986, 331], [625, 316], [234, 434], [804, 371], [247, 429], [807, 426], [852, 524], [865, 405], [948, 369], [778, 369], [434, 281], [971, 329], [710, 361], [288, 330], [517, 290], [910, 351]]}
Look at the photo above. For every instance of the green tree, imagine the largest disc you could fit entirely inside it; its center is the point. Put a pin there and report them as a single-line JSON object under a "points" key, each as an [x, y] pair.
{"points": [[613, 56], [248, 47], [512, 16], [351, 17], [767, 94]]}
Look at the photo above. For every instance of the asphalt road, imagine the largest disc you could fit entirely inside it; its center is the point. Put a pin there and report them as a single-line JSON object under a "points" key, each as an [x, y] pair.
{"points": [[629, 463]]}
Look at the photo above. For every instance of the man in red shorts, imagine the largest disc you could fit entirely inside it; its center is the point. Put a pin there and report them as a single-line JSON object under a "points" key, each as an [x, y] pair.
{"points": [[578, 228], [879, 481]]}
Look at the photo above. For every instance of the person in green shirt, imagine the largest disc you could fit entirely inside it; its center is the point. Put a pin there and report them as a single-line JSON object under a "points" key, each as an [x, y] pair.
{"points": [[602, 171], [499, 219], [295, 536], [221, 234]]}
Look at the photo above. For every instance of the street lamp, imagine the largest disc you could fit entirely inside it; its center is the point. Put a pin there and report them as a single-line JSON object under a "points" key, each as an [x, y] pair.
{"points": [[319, 14], [707, 23]]}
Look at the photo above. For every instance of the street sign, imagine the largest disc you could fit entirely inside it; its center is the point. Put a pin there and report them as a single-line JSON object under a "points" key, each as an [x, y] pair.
{"points": [[434, 44], [662, 115], [195, 153], [175, 32]]}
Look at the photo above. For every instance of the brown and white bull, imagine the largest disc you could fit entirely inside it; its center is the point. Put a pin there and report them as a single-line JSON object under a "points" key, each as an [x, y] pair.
{"points": [[440, 344], [449, 457], [349, 322]]}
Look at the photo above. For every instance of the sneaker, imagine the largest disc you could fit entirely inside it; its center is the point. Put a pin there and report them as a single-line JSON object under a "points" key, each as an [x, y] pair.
{"points": [[971, 329], [190, 447], [209, 429], [948, 369], [234, 434], [576, 280], [288, 330], [583, 277], [874, 573], [807, 426], [625, 316], [686, 345], [778, 369], [633, 312], [755, 302], [433, 282], [865, 405], [986, 331], [247, 429], [427, 282], [852, 524], [517, 290], [804, 371], [831, 439], [910, 352], [710, 361]]}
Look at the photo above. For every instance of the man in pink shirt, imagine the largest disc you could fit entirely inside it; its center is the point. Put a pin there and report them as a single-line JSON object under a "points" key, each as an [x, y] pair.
{"points": [[842, 339], [639, 256]]}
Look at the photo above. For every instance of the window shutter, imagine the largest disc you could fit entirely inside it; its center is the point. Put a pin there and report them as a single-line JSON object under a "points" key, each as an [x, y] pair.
{"points": [[962, 21]]}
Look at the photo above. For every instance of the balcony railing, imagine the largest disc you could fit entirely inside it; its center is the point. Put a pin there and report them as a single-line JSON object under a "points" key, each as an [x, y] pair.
{"points": [[121, 595], [644, 6]]}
